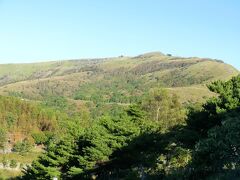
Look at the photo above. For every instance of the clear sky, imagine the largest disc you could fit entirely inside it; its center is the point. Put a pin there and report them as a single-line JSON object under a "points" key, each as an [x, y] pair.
{"points": [[40, 30]]}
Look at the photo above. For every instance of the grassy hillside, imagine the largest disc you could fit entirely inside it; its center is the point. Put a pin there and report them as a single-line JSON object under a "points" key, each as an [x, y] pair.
{"points": [[121, 79]]}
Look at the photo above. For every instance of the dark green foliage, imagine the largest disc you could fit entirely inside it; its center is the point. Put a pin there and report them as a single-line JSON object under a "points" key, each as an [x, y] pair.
{"points": [[53, 161], [229, 96], [57, 102], [3, 138], [77, 156], [13, 163], [22, 147], [4, 161], [123, 143], [220, 149], [39, 137], [11, 119], [180, 78], [151, 139], [216, 128], [122, 88]]}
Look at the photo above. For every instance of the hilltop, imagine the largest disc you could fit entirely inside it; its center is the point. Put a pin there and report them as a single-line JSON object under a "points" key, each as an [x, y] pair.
{"points": [[119, 79]]}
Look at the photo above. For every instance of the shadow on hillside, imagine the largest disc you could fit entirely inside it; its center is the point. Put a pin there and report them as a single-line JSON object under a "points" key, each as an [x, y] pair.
{"points": [[139, 155], [133, 160]]}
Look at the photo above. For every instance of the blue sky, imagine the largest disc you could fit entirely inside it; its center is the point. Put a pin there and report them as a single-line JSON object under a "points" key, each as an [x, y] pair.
{"points": [[43, 30]]}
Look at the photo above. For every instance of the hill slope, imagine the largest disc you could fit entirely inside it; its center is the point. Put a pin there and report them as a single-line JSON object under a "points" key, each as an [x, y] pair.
{"points": [[121, 79]]}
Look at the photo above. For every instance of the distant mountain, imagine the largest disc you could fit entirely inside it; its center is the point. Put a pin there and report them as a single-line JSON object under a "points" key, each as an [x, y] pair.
{"points": [[118, 79]]}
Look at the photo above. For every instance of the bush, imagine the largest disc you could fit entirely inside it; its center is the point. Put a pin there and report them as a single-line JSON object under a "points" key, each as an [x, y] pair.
{"points": [[13, 163], [3, 138], [39, 137], [4, 162], [22, 147], [21, 165]]}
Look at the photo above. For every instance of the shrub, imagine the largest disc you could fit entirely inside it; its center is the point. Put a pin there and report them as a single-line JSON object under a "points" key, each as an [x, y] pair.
{"points": [[39, 137], [22, 147], [4, 161], [3, 138], [21, 165], [13, 163]]}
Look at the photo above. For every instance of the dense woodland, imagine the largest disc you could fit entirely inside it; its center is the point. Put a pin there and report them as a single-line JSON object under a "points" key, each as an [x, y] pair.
{"points": [[155, 138]]}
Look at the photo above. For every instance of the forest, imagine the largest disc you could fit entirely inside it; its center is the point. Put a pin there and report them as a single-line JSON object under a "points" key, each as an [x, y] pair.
{"points": [[156, 137]]}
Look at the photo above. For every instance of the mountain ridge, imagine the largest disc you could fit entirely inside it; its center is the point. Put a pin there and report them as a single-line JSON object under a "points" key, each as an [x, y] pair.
{"points": [[126, 74]]}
